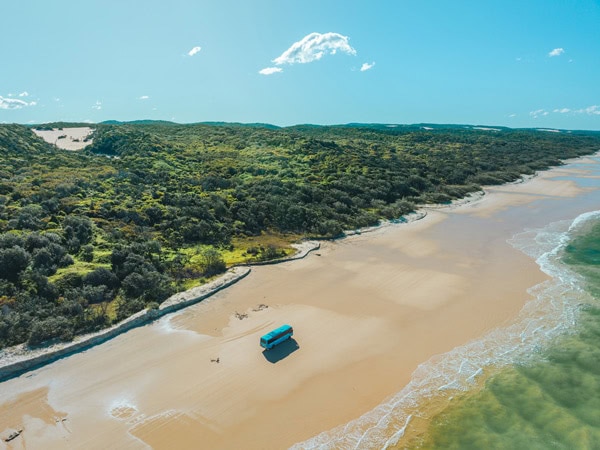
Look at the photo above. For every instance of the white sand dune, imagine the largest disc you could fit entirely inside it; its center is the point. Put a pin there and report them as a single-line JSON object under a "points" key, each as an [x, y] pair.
{"points": [[67, 138]]}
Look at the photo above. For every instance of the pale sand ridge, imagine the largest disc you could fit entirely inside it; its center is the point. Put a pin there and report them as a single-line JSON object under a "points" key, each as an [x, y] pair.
{"points": [[73, 138]]}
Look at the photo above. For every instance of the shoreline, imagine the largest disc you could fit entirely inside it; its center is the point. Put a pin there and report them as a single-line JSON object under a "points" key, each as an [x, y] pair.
{"points": [[557, 323], [19, 359], [419, 404], [418, 291]]}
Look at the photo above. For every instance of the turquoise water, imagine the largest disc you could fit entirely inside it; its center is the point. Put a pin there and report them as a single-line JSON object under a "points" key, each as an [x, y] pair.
{"points": [[552, 399]]}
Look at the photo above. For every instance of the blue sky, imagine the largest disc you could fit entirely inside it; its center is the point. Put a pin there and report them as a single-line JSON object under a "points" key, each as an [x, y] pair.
{"points": [[513, 63]]}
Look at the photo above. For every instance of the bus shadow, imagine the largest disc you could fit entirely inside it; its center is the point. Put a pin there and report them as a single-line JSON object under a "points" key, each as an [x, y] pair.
{"points": [[281, 351]]}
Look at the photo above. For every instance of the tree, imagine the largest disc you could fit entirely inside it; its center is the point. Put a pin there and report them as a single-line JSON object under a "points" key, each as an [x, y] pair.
{"points": [[96, 294], [35, 241], [87, 253], [211, 261], [39, 287], [9, 240], [13, 261], [79, 228], [51, 328], [101, 277], [134, 285], [272, 252], [28, 218], [43, 262], [147, 285]]}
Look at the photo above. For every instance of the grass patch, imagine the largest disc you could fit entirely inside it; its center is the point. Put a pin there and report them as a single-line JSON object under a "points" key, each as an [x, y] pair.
{"points": [[249, 249], [245, 249], [80, 268]]}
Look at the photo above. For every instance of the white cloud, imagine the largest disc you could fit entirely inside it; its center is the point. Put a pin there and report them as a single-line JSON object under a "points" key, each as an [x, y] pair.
{"points": [[313, 46], [14, 103], [556, 52], [512, 115], [593, 110], [195, 50], [367, 66], [143, 97], [538, 112], [270, 70], [24, 94], [97, 106]]}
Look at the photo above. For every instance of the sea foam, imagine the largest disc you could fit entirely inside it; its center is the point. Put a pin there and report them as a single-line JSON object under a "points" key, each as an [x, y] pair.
{"points": [[552, 311]]}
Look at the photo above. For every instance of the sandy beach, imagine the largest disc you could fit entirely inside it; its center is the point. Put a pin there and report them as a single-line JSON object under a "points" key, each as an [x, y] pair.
{"points": [[366, 310]]}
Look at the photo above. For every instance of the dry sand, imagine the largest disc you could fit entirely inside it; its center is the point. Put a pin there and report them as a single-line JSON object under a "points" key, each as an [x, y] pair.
{"points": [[366, 310], [66, 138]]}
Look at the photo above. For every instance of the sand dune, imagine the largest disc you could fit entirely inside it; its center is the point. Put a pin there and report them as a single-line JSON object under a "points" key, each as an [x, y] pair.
{"points": [[66, 138]]}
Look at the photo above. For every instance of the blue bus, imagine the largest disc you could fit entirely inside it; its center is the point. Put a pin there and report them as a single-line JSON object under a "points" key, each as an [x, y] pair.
{"points": [[277, 336]]}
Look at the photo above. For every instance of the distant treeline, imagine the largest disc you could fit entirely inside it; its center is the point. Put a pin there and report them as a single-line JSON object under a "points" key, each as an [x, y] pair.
{"points": [[90, 237]]}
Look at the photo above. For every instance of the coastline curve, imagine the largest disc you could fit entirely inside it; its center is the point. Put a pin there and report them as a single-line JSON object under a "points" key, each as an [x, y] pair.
{"points": [[15, 361]]}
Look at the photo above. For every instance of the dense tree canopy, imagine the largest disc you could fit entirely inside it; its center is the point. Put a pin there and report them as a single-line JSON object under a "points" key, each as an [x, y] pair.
{"points": [[89, 237]]}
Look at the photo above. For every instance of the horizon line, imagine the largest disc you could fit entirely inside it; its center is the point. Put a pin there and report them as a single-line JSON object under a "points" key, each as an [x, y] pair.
{"points": [[484, 127]]}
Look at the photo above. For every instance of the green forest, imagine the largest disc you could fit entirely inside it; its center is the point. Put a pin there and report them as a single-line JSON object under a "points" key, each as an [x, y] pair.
{"points": [[88, 238]]}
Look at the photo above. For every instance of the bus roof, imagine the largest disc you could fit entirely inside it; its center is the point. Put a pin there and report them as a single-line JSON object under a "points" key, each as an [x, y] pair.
{"points": [[276, 331]]}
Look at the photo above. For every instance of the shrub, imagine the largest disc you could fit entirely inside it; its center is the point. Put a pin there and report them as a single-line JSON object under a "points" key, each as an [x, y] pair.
{"points": [[13, 261], [211, 261], [101, 277], [51, 328]]}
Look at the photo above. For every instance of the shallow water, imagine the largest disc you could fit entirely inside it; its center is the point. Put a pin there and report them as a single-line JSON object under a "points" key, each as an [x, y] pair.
{"points": [[510, 359], [553, 399]]}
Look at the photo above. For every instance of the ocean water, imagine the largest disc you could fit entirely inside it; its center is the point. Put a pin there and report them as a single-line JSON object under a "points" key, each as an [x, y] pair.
{"points": [[550, 399], [534, 384]]}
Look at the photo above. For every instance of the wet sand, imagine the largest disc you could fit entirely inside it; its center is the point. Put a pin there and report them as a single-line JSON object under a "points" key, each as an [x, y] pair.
{"points": [[366, 310]]}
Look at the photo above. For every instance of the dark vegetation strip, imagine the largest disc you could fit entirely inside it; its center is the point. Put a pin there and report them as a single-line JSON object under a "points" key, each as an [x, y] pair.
{"points": [[89, 238]]}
